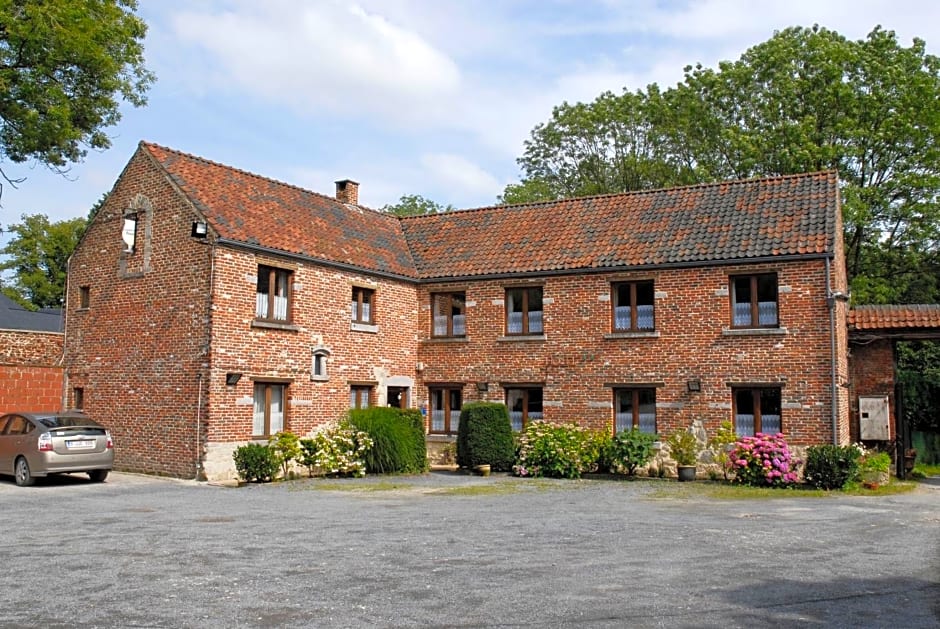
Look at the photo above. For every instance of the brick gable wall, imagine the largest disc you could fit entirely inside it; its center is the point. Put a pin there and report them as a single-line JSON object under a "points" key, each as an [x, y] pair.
{"points": [[138, 350]]}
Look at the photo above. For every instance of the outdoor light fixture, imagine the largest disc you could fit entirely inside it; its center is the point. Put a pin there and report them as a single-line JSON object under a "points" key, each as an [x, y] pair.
{"points": [[483, 386], [693, 386], [232, 378], [200, 229]]}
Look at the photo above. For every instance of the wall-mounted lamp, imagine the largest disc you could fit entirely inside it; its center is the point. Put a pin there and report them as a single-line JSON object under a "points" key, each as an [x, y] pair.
{"points": [[483, 386], [232, 378], [693, 386], [200, 229]]}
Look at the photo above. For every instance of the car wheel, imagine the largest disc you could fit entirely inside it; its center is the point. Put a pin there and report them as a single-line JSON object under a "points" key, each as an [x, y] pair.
{"points": [[97, 476], [23, 476]]}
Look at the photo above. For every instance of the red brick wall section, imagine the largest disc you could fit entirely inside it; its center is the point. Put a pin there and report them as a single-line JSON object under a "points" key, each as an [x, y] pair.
{"points": [[138, 350], [872, 374], [321, 318], [18, 347], [692, 312], [29, 388], [30, 371]]}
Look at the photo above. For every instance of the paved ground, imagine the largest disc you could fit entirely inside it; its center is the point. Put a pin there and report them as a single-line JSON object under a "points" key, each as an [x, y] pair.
{"points": [[445, 550]]}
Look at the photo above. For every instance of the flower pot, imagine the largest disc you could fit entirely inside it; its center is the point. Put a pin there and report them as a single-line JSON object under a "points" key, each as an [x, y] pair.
{"points": [[685, 473], [482, 470]]}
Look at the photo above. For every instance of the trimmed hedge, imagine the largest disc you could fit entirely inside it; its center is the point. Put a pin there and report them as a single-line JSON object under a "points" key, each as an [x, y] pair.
{"points": [[398, 444], [485, 436], [830, 466], [256, 463]]}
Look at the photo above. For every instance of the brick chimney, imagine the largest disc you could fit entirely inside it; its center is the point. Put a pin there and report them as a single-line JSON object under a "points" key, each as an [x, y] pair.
{"points": [[347, 191]]}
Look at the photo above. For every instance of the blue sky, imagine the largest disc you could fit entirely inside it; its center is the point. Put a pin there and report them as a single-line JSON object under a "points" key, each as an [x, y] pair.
{"points": [[430, 97]]}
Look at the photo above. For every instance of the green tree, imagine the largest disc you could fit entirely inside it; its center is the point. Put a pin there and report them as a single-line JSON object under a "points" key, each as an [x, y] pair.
{"points": [[807, 99], [415, 205], [63, 64], [38, 254]]}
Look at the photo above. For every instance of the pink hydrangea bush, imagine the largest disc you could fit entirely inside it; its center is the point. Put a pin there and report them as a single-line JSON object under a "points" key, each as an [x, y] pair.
{"points": [[763, 460]]}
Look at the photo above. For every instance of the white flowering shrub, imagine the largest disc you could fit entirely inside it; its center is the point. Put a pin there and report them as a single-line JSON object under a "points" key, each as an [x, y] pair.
{"points": [[336, 450]]}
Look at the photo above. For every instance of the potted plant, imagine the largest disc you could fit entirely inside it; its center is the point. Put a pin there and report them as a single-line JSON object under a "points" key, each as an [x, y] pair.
{"points": [[684, 449]]}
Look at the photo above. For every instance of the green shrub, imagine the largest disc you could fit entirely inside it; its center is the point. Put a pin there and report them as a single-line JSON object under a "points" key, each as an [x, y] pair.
{"points": [[830, 466], [555, 450], [419, 445], [398, 444], [255, 463], [336, 450], [631, 449], [719, 444], [596, 451], [286, 448], [485, 436]]}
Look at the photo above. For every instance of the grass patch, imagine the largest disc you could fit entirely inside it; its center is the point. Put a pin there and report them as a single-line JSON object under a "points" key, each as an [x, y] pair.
{"points": [[922, 470], [728, 491], [334, 485]]}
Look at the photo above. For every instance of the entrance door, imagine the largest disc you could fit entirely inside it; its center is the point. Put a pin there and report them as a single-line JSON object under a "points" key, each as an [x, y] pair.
{"points": [[398, 397]]}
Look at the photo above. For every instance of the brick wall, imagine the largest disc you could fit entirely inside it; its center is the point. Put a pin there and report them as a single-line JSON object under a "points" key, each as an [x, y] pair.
{"points": [[872, 374], [138, 350], [30, 371], [576, 363], [321, 319]]}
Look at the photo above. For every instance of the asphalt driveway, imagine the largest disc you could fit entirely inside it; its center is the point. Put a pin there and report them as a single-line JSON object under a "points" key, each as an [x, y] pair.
{"points": [[445, 550]]}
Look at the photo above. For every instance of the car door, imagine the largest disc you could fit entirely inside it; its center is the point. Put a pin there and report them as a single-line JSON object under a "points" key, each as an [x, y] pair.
{"points": [[6, 446]]}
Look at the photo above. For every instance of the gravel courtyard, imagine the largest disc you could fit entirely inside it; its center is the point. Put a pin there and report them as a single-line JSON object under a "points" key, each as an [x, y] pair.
{"points": [[447, 550]]}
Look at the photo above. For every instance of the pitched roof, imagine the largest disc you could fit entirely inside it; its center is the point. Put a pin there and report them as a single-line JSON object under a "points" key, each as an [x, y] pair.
{"points": [[15, 317], [791, 215], [246, 208], [779, 216], [894, 317]]}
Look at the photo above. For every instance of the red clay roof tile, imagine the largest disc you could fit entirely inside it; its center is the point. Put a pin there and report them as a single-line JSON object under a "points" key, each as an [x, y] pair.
{"points": [[246, 208], [894, 317], [791, 215], [778, 216]]}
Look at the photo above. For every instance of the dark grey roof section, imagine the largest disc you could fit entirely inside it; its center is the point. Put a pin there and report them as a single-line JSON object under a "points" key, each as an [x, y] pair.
{"points": [[15, 317]]}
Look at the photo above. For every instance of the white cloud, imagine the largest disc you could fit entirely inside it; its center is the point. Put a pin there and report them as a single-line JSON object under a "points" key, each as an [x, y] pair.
{"points": [[322, 56], [459, 175]]}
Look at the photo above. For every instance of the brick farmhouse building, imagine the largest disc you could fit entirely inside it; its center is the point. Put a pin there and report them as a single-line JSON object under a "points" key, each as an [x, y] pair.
{"points": [[208, 307]]}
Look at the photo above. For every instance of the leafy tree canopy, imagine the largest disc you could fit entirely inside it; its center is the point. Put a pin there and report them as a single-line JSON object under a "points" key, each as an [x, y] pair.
{"points": [[415, 205], [807, 99], [38, 254], [63, 64]]}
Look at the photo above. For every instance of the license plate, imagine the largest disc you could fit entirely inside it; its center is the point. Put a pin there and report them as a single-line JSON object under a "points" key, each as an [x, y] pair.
{"points": [[79, 444]]}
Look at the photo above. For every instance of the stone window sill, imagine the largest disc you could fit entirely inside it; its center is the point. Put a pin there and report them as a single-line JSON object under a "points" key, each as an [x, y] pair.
{"points": [[446, 339], [521, 338], [364, 327], [274, 325], [754, 332], [639, 334]]}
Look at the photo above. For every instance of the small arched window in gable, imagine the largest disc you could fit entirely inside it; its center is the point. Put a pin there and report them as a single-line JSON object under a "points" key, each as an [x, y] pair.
{"points": [[321, 355]]}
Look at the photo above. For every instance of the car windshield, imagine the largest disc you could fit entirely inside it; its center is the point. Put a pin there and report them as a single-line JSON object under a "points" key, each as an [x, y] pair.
{"points": [[67, 422]]}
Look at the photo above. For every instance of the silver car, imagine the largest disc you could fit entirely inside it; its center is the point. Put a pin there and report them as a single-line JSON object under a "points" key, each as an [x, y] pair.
{"points": [[40, 444]]}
